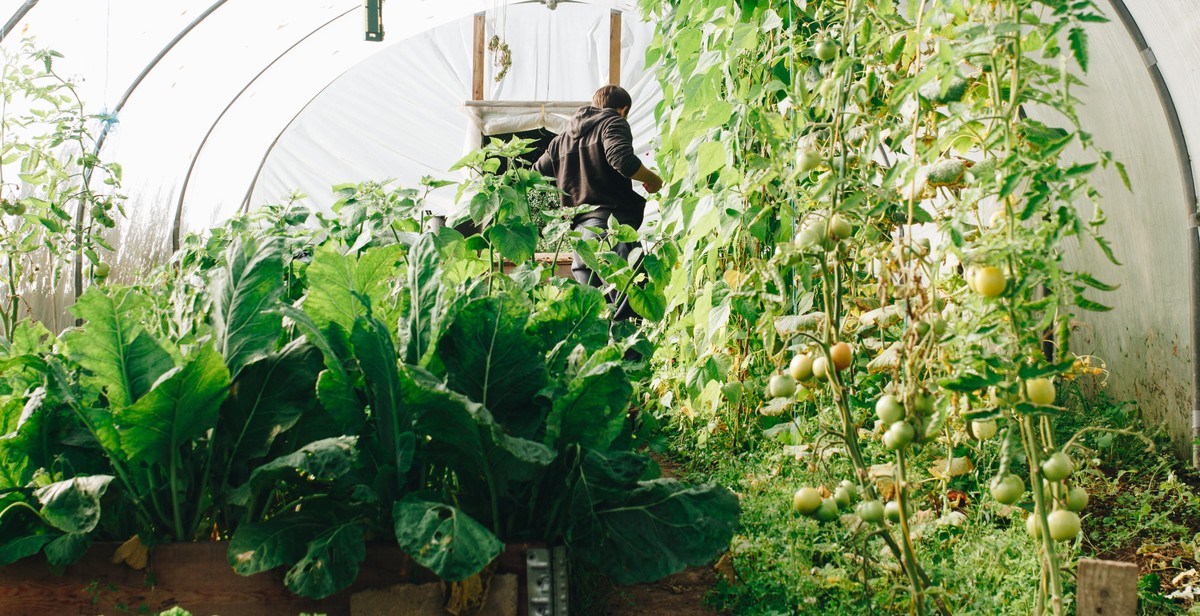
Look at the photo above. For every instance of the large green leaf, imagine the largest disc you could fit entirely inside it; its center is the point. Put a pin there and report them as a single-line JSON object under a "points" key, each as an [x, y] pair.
{"points": [[268, 398], [338, 285], [73, 505], [330, 562], [68, 548], [655, 530], [424, 287], [183, 405], [125, 360], [245, 291], [515, 239], [279, 541], [381, 370], [20, 547], [593, 409], [571, 316], [489, 357], [323, 460], [443, 539]]}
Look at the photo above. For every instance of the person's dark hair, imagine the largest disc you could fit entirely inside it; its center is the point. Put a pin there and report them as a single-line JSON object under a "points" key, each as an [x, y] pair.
{"points": [[611, 97]]}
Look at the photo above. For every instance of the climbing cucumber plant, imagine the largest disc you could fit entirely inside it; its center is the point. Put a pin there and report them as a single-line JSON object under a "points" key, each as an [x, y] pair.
{"points": [[871, 204]]}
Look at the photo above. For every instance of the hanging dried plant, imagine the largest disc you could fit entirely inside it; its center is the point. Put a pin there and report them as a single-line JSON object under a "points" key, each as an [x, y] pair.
{"points": [[503, 59]]}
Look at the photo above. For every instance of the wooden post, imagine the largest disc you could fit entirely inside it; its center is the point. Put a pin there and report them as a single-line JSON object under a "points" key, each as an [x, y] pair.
{"points": [[1107, 588], [614, 48], [477, 74]]}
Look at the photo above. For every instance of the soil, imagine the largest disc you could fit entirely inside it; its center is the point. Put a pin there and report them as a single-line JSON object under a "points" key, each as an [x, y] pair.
{"points": [[681, 594]]}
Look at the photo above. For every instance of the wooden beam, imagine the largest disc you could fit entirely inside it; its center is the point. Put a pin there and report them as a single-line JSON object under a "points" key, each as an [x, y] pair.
{"points": [[477, 69], [614, 48], [1107, 587]]}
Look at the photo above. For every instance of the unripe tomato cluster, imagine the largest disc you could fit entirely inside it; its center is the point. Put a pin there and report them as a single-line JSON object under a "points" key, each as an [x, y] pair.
{"points": [[904, 420], [804, 368], [826, 506], [1064, 520]]}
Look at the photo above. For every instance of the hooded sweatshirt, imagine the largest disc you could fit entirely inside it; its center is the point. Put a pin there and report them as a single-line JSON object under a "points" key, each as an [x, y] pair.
{"points": [[591, 162]]}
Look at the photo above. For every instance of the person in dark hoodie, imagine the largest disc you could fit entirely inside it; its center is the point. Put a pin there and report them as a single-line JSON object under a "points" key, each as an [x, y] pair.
{"points": [[593, 163]]}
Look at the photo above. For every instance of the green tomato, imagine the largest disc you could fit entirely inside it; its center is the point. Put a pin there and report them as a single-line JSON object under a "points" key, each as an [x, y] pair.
{"points": [[808, 160], [871, 511], [888, 409], [1040, 391], [983, 429], [828, 511], [806, 501], [820, 367], [825, 50], [1057, 467], [899, 435], [842, 497], [808, 239], [892, 511], [801, 367], [921, 404], [840, 227], [100, 270], [782, 386], [1064, 524], [1033, 527], [1077, 499], [1007, 489], [990, 281]]}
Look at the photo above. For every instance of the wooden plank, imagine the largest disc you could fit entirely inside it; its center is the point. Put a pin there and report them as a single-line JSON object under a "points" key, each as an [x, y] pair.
{"points": [[197, 577], [1107, 587], [614, 48], [477, 68], [572, 105]]}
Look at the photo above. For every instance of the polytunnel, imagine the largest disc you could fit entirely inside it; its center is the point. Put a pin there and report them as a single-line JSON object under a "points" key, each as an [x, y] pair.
{"points": [[244, 103], [219, 108]]}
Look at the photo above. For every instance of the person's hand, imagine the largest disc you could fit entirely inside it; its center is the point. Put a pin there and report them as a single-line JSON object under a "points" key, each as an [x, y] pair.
{"points": [[653, 185]]}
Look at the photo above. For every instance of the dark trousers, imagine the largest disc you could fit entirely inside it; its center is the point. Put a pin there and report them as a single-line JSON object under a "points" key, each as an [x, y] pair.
{"points": [[596, 230]]}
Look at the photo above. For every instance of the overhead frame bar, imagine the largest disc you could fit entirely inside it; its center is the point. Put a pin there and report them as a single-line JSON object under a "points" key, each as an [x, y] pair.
{"points": [[614, 48], [87, 178], [178, 220], [1184, 158], [16, 18]]}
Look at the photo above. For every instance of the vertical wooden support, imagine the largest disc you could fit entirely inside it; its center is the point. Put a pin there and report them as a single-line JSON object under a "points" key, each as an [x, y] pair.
{"points": [[1107, 587], [614, 48], [477, 74]]}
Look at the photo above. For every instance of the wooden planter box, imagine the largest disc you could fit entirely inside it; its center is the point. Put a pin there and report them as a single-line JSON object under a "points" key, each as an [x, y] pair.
{"points": [[198, 578]]}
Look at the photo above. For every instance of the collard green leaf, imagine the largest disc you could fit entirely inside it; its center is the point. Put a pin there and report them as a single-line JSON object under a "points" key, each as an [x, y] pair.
{"points": [[443, 539], [68, 548], [73, 505], [489, 357], [341, 401], [245, 291], [323, 460], [381, 370], [330, 562], [269, 396], [424, 286], [573, 315], [279, 541], [23, 546], [592, 411], [124, 359], [183, 405], [337, 283], [655, 530]]}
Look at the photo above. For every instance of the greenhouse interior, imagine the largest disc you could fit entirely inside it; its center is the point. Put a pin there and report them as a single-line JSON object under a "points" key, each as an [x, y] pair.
{"points": [[654, 307]]}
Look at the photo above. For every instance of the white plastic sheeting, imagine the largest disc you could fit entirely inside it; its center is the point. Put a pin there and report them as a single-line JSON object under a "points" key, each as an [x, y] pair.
{"points": [[400, 114], [344, 109]]}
